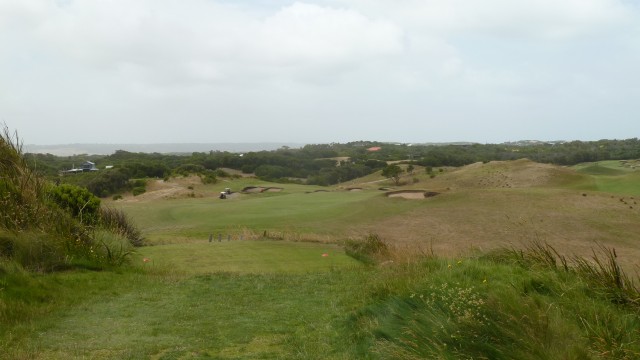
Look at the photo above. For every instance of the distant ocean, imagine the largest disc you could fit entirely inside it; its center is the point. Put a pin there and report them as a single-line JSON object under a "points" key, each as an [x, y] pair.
{"points": [[107, 149]]}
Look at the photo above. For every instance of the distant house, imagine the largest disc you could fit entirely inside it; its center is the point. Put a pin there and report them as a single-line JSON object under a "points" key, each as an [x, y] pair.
{"points": [[88, 166], [375, 148], [85, 167]]}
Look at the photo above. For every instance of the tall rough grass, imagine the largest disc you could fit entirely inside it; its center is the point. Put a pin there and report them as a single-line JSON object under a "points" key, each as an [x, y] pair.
{"points": [[511, 304], [117, 221], [602, 270], [38, 233]]}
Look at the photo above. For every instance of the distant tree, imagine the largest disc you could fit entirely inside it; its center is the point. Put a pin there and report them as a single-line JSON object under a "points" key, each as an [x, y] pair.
{"points": [[393, 172], [410, 169]]}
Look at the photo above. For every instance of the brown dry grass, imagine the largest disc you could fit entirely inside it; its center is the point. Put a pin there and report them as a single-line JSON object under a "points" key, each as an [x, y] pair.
{"points": [[460, 221], [485, 206], [504, 175]]}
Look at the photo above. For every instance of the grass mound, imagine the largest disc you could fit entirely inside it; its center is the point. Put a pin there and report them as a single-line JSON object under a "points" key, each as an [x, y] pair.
{"points": [[596, 169]]}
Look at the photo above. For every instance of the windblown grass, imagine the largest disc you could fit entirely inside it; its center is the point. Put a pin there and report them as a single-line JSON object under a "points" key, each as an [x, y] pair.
{"points": [[510, 304], [504, 305], [39, 233]]}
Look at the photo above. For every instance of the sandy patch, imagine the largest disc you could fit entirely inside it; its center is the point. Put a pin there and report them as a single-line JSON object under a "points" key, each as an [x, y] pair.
{"points": [[252, 189], [412, 194], [260, 189], [408, 195], [160, 189]]}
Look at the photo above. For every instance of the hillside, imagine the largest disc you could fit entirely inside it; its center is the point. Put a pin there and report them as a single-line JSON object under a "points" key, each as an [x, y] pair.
{"points": [[495, 264], [478, 207]]}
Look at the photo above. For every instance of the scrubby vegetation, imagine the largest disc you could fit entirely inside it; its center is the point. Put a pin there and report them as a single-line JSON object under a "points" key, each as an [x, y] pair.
{"points": [[45, 227], [320, 164]]}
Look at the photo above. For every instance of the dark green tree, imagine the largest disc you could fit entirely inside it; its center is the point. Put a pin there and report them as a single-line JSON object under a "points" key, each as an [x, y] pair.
{"points": [[393, 172]]}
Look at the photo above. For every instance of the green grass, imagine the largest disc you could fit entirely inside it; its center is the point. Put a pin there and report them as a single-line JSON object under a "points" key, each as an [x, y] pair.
{"points": [[491, 308], [498, 306], [224, 316], [262, 256], [610, 177], [293, 210], [609, 167], [150, 312], [260, 298]]}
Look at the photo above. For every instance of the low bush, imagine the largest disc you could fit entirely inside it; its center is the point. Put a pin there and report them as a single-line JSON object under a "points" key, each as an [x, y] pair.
{"points": [[118, 222], [78, 201], [370, 251], [209, 177]]}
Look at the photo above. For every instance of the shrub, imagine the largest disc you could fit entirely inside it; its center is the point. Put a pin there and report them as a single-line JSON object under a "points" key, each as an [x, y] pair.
{"points": [[138, 183], [209, 177], [106, 182], [222, 173], [78, 201], [138, 190], [187, 169]]}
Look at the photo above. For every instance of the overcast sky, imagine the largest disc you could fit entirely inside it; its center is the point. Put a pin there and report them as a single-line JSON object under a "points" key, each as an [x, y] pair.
{"points": [[184, 71]]}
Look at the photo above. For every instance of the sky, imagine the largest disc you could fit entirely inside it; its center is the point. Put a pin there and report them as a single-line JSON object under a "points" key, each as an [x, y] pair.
{"points": [[410, 71]]}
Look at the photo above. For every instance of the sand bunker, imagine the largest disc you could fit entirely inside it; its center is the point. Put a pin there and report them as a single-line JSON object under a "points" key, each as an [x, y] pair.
{"points": [[412, 194], [260, 189]]}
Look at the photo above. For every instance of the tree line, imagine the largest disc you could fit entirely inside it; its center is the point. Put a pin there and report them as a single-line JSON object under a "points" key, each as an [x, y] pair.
{"points": [[318, 164]]}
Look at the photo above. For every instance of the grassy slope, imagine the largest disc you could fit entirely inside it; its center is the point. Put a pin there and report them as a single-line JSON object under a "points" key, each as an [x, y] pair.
{"points": [[488, 307], [270, 300], [248, 257], [293, 210], [298, 308], [482, 206], [224, 316]]}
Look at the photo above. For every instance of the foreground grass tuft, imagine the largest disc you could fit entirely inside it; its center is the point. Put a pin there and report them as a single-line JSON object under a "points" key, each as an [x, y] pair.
{"points": [[508, 305]]}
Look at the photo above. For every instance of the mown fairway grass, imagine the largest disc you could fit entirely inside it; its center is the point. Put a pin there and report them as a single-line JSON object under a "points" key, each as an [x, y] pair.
{"points": [[613, 176], [327, 213], [227, 300], [222, 316], [247, 257]]}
